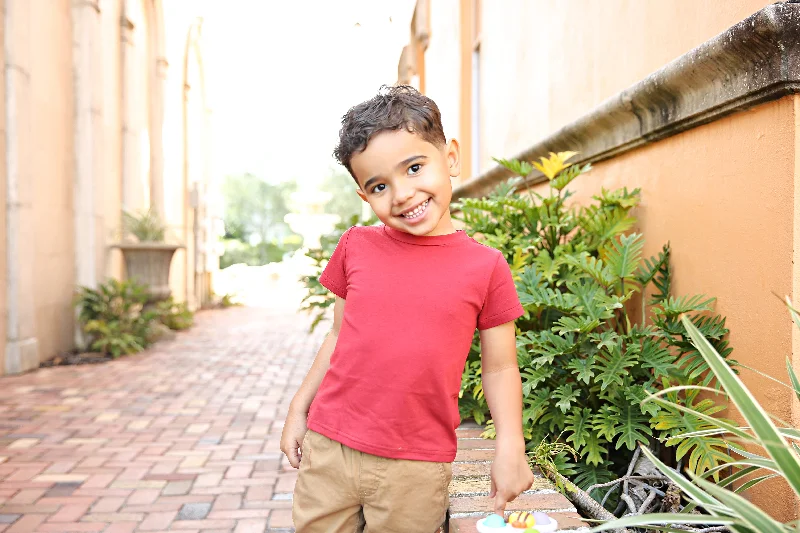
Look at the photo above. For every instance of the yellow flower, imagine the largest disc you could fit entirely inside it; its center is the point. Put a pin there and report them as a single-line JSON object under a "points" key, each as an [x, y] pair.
{"points": [[551, 166]]}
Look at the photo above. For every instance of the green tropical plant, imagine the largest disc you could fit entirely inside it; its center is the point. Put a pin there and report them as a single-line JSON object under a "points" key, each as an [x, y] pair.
{"points": [[118, 320], [175, 315], [146, 226], [601, 331], [777, 455], [114, 317], [318, 299]]}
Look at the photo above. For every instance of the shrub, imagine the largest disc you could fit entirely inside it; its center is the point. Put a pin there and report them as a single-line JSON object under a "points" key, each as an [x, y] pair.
{"points": [[592, 344], [237, 252], [114, 317], [117, 320], [175, 315]]}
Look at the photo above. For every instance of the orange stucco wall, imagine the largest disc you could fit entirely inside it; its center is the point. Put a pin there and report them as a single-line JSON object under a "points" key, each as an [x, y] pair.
{"points": [[52, 169], [723, 196]]}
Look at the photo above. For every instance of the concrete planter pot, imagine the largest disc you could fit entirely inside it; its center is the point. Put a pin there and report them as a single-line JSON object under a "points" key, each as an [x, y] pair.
{"points": [[149, 264]]}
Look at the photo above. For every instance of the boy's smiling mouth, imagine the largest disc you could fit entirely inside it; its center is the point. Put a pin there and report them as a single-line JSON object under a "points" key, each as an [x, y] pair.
{"points": [[416, 212]]}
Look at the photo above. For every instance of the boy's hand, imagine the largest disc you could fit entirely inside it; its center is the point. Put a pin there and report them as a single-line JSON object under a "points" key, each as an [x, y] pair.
{"points": [[294, 429], [511, 475]]}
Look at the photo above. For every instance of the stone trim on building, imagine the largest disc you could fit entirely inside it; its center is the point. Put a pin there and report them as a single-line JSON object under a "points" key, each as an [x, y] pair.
{"points": [[753, 62]]}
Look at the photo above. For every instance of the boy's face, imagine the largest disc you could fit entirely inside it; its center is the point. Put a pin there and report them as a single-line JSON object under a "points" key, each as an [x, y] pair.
{"points": [[406, 181]]}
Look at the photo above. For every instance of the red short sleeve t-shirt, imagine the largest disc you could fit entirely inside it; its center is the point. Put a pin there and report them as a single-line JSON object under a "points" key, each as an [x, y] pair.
{"points": [[413, 304]]}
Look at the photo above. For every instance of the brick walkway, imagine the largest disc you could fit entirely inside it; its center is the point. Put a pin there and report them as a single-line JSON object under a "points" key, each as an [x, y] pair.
{"points": [[184, 437]]}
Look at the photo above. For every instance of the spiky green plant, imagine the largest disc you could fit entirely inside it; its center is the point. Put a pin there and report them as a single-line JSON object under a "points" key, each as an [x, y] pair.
{"points": [[146, 226], [114, 317], [721, 505]]}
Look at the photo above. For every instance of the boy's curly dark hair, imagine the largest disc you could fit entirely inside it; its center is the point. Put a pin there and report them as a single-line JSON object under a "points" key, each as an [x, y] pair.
{"points": [[395, 107]]}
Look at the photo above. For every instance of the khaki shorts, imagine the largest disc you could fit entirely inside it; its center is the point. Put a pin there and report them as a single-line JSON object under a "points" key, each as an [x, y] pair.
{"points": [[341, 490]]}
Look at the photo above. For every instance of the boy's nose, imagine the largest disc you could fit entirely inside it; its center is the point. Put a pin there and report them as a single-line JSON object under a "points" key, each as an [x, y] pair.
{"points": [[403, 195]]}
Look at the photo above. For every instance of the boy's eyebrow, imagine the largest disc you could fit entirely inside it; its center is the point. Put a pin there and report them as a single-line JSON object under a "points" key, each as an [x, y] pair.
{"points": [[402, 163]]}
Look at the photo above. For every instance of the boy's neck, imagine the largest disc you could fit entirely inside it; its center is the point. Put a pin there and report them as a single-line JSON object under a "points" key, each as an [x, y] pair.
{"points": [[444, 227]]}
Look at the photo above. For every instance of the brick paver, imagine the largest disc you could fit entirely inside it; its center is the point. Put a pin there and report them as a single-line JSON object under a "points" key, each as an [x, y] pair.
{"points": [[183, 437]]}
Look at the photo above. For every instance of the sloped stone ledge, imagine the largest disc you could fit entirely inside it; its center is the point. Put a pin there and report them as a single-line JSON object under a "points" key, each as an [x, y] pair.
{"points": [[469, 489], [753, 62]]}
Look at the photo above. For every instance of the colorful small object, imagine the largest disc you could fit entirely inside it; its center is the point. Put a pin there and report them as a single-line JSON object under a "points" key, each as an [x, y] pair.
{"points": [[519, 521], [494, 520], [522, 519], [541, 518]]}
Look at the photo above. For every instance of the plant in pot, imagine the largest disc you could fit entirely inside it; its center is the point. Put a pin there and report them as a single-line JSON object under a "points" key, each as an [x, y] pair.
{"points": [[146, 253]]}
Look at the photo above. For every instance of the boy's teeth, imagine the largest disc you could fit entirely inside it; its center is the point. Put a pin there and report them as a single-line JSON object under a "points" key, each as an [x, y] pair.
{"points": [[416, 212]]}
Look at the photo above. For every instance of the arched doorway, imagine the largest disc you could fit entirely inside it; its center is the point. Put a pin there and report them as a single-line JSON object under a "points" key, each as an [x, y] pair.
{"points": [[196, 167]]}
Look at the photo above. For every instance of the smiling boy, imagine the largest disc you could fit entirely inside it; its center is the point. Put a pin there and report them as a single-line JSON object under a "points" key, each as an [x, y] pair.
{"points": [[372, 427]]}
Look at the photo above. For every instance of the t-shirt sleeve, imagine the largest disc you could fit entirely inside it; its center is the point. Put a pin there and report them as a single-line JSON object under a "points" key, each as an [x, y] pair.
{"points": [[334, 277], [502, 303]]}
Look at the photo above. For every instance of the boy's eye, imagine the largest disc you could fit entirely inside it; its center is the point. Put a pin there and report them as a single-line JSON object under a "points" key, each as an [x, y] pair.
{"points": [[413, 169], [378, 188]]}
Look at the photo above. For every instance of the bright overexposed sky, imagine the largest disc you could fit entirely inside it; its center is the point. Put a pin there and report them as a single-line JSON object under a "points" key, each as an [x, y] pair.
{"points": [[280, 74]]}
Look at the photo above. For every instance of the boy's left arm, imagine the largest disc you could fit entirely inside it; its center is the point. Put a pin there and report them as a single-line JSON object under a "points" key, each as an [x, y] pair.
{"points": [[502, 386]]}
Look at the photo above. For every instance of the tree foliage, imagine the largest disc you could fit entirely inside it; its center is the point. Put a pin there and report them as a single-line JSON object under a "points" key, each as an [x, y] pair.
{"points": [[254, 208], [255, 232], [344, 201]]}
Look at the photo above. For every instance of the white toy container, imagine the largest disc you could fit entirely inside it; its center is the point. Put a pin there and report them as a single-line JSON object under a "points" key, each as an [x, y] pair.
{"points": [[541, 528]]}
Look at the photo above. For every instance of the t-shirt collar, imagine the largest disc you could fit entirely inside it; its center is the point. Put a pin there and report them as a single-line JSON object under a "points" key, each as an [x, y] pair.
{"points": [[436, 240]]}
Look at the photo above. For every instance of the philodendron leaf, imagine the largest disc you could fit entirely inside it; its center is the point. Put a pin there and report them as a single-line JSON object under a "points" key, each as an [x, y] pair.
{"points": [[520, 168], [622, 255], [631, 425]]}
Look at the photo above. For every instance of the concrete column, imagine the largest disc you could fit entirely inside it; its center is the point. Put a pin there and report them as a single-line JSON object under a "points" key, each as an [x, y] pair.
{"points": [[86, 28], [156, 137], [135, 194], [21, 346]]}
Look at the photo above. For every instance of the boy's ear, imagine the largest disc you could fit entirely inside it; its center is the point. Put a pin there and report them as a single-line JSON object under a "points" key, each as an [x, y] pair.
{"points": [[361, 194], [453, 153]]}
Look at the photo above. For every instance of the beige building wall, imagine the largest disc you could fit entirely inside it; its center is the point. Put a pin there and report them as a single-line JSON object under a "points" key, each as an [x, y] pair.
{"points": [[546, 63], [83, 129], [52, 170], [3, 199], [724, 195], [442, 57]]}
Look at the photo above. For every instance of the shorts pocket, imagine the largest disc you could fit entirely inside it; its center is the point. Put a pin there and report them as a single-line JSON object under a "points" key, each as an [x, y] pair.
{"points": [[446, 472], [305, 450]]}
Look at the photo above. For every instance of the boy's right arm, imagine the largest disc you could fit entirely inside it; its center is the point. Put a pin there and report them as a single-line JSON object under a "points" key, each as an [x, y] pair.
{"points": [[294, 429]]}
